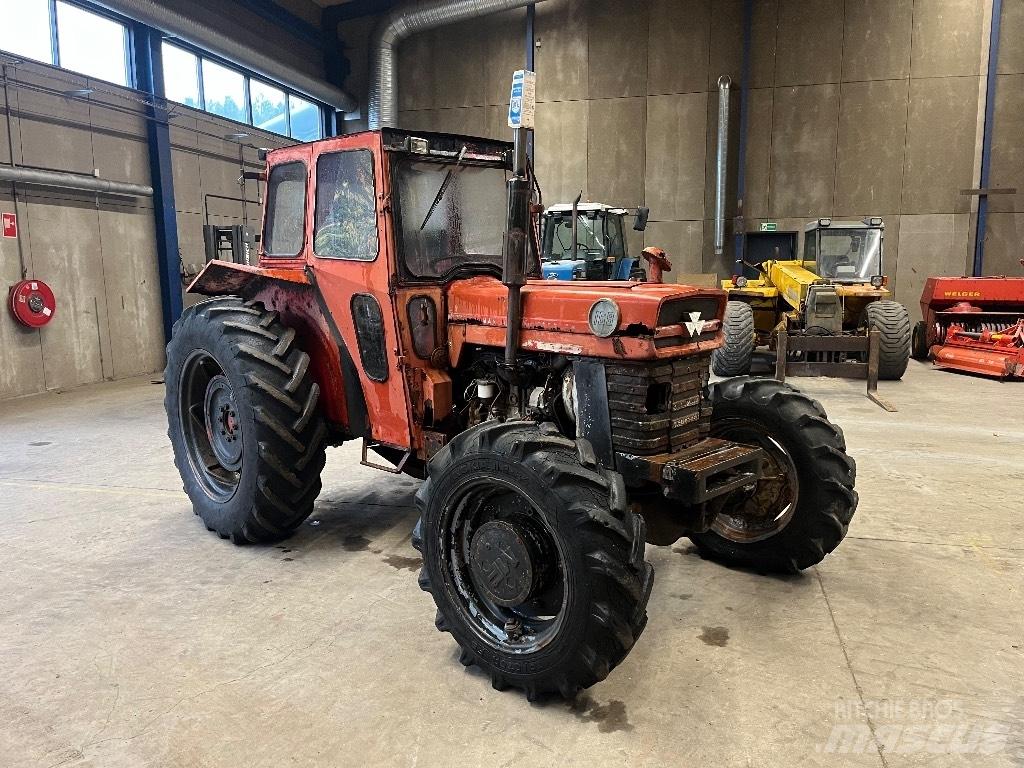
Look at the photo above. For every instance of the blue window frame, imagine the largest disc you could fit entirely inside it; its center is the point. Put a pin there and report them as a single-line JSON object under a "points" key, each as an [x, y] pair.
{"points": [[197, 80]]}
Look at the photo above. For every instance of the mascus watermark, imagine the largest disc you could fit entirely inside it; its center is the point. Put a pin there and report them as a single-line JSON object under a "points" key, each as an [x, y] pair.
{"points": [[926, 726]]}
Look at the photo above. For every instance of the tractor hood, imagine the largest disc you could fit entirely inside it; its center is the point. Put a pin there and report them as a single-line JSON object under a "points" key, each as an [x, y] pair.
{"points": [[654, 320]]}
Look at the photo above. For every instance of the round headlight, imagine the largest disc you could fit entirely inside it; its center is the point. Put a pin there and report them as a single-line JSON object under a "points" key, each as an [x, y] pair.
{"points": [[877, 281], [740, 281], [604, 318]]}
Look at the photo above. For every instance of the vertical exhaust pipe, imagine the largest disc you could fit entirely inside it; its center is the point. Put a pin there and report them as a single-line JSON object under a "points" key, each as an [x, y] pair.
{"points": [[724, 82]]}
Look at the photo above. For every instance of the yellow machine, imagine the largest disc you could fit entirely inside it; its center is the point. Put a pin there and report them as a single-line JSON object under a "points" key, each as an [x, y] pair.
{"points": [[836, 288]]}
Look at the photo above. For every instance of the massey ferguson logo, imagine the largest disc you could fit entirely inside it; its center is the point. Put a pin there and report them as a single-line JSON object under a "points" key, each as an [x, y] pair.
{"points": [[695, 325]]}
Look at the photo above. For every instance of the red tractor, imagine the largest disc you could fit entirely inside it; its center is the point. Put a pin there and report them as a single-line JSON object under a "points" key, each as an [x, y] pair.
{"points": [[393, 304]]}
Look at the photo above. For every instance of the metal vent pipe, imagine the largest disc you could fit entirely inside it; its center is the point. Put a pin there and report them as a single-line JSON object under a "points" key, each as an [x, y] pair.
{"points": [[63, 180], [724, 82], [199, 34], [406, 20]]}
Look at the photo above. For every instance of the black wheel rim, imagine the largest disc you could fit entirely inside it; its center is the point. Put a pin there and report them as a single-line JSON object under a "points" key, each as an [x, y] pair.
{"points": [[763, 509], [211, 428], [504, 567]]}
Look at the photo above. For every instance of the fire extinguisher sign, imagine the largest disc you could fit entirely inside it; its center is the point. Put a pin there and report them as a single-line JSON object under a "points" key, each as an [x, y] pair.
{"points": [[10, 223]]}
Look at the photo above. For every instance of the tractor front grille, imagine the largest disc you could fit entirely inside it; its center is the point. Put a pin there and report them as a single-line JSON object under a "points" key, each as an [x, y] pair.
{"points": [[658, 407]]}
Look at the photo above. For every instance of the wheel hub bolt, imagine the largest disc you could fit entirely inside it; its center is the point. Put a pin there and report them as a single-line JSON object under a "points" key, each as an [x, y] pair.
{"points": [[514, 628]]}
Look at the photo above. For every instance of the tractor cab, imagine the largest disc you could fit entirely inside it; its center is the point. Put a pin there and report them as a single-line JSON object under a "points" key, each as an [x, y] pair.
{"points": [[845, 251], [601, 250]]}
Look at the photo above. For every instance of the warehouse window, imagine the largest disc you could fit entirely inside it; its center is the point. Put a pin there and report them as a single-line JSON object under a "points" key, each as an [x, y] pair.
{"points": [[85, 42], [181, 76], [91, 44], [224, 92], [195, 81], [26, 30]]}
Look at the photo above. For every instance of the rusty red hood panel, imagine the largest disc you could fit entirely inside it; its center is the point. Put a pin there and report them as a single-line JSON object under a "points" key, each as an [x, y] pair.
{"points": [[565, 306]]}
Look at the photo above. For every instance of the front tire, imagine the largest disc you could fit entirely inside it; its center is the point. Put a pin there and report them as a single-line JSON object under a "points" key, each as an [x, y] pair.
{"points": [[801, 508], [734, 357], [893, 323], [535, 564], [243, 420]]}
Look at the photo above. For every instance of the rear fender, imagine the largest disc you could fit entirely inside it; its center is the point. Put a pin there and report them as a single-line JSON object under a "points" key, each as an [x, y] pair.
{"points": [[294, 296]]}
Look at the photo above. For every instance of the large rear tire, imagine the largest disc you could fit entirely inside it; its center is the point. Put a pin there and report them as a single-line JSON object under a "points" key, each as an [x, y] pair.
{"points": [[800, 510], [893, 323], [243, 420], [734, 357], [533, 560]]}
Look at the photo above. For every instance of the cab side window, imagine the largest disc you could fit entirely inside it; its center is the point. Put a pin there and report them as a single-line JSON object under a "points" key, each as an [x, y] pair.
{"points": [[286, 210], [346, 212]]}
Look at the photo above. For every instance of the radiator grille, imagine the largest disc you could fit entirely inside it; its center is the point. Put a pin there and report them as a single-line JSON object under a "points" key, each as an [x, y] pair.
{"points": [[658, 407]]}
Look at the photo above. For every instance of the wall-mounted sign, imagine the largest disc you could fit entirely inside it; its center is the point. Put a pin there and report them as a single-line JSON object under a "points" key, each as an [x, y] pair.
{"points": [[10, 225], [769, 226]]}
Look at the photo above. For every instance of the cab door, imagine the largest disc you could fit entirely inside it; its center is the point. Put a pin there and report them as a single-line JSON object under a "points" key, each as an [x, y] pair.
{"points": [[353, 266]]}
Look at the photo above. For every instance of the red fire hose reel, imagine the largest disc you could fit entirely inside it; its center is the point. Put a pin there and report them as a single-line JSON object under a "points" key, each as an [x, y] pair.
{"points": [[32, 303]]}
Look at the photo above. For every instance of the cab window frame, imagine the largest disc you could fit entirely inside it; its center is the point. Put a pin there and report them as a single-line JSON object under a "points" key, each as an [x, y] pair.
{"points": [[272, 210], [376, 212]]}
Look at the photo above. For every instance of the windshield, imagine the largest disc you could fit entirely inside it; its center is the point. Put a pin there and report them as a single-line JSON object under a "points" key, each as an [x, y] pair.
{"points": [[467, 225], [597, 236], [850, 254]]}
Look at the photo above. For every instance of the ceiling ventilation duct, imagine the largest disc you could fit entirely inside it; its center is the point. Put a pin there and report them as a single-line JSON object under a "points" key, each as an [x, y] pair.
{"points": [[407, 20]]}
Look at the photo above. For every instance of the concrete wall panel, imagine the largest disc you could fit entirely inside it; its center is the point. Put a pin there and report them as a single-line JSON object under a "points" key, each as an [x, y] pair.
{"points": [[416, 72], [929, 244], [948, 38], [618, 48], [504, 53], [65, 240], [1011, 38], [726, 41], [759, 151], [876, 40], [120, 158], [22, 370], [615, 150], [1003, 238], [941, 128], [459, 80], [562, 50], [810, 42], [677, 49], [872, 138], [561, 149], [764, 34], [803, 150], [676, 146], [1008, 143], [132, 291], [683, 241]]}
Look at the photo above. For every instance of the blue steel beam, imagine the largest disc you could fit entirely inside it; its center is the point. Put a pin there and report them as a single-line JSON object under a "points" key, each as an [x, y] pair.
{"points": [[149, 77], [741, 175], [986, 138]]}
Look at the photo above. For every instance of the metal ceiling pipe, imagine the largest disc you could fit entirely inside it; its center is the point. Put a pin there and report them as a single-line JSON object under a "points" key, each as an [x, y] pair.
{"points": [[406, 20], [201, 35], [724, 82], [64, 180]]}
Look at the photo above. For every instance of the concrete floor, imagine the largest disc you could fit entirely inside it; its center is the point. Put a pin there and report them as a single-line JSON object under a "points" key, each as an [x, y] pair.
{"points": [[131, 636]]}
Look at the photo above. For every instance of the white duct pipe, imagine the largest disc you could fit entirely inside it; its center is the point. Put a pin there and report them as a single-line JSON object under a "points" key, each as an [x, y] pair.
{"points": [[199, 34], [724, 82], [64, 180], [406, 20]]}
